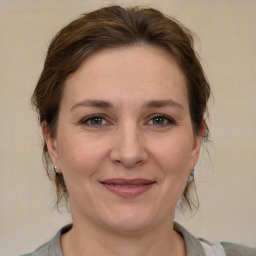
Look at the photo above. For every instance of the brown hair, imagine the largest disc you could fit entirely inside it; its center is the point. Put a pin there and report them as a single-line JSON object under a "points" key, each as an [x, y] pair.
{"points": [[113, 27]]}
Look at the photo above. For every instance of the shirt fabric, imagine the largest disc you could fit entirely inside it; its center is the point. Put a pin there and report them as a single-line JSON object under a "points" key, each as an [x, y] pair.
{"points": [[193, 245]]}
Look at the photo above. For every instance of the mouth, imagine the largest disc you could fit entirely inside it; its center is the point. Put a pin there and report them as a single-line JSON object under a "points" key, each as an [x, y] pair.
{"points": [[128, 188]]}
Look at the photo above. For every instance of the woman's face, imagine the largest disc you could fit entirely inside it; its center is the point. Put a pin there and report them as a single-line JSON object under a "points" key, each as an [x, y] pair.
{"points": [[124, 141]]}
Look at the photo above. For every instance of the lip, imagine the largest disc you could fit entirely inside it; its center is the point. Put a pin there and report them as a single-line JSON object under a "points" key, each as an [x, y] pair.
{"points": [[126, 187]]}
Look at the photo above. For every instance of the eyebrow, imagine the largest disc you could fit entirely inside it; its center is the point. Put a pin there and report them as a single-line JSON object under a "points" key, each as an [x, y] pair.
{"points": [[92, 103], [162, 103], [106, 104]]}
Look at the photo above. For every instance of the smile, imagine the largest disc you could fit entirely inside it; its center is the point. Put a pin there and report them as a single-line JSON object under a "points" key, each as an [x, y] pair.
{"points": [[128, 188]]}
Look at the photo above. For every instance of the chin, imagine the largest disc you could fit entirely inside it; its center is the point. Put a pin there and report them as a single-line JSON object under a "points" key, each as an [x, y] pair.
{"points": [[129, 227], [130, 221]]}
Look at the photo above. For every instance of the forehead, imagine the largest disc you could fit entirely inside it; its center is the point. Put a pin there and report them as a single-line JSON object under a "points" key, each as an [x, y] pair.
{"points": [[125, 72]]}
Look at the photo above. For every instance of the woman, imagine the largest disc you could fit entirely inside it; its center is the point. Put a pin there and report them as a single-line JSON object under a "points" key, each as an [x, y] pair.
{"points": [[122, 100]]}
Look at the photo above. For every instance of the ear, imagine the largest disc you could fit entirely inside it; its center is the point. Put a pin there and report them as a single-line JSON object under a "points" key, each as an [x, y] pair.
{"points": [[51, 143], [197, 143]]}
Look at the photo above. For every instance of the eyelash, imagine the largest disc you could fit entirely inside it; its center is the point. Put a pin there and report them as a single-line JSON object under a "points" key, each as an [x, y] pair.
{"points": [[91, 117], [162, 116], [168, 120]]}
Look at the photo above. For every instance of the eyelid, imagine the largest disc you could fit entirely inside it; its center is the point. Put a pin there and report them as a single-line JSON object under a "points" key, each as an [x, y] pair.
{"points": [[167, 117], [84, 120]]}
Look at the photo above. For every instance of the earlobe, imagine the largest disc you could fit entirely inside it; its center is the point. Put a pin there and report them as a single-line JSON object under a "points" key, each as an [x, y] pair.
{"points": [[51, 143]]}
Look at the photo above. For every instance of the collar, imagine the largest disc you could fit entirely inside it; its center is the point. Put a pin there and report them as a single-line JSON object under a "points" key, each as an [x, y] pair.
{"points": [[193, 245]]}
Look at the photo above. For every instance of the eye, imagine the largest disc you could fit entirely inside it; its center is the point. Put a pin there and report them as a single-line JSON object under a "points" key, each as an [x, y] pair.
{"points": [[94, 120], [161, 120]]}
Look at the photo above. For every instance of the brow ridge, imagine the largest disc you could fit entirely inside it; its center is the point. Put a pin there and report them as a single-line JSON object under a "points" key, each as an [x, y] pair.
{"points": [[162, 103], [106, 104], [92, 103]]}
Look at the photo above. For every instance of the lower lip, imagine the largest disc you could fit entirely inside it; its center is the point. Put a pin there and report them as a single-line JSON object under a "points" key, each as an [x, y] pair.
{"points": [[128, 190]]}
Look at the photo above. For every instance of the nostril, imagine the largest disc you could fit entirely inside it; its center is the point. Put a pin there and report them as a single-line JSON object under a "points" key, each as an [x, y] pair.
{"points": [[129, 160], [128, 148]]}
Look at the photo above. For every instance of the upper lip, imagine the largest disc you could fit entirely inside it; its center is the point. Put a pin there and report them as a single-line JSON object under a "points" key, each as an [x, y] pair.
{"points": [[121, 181]]}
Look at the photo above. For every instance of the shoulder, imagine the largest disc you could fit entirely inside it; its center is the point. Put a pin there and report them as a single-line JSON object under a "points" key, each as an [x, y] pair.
{"points": [[51, 248], [194, 246], [238, 249], [43, 250]]}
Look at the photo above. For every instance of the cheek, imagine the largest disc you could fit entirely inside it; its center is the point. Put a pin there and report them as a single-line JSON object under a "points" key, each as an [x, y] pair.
{"points": [[174, 155], [172, 159], [81, 156]]}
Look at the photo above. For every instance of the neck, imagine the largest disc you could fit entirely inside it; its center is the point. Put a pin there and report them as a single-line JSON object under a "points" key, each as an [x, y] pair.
{"points": [[84, 239]]}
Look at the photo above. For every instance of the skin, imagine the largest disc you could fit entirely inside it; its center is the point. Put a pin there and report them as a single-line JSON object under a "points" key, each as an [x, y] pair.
{"points": [[127, 88]]}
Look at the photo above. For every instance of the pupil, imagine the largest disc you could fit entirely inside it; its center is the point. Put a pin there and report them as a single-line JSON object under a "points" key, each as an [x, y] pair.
{"points": [[158, 120], [97, 120]]}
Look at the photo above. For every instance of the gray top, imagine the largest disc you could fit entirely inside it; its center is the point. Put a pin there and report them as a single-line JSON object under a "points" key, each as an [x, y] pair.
{"points": [[193, 245]]}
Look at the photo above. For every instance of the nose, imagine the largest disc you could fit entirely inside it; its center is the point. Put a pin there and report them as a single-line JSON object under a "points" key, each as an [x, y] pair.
{"points": [[128, 147]]}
